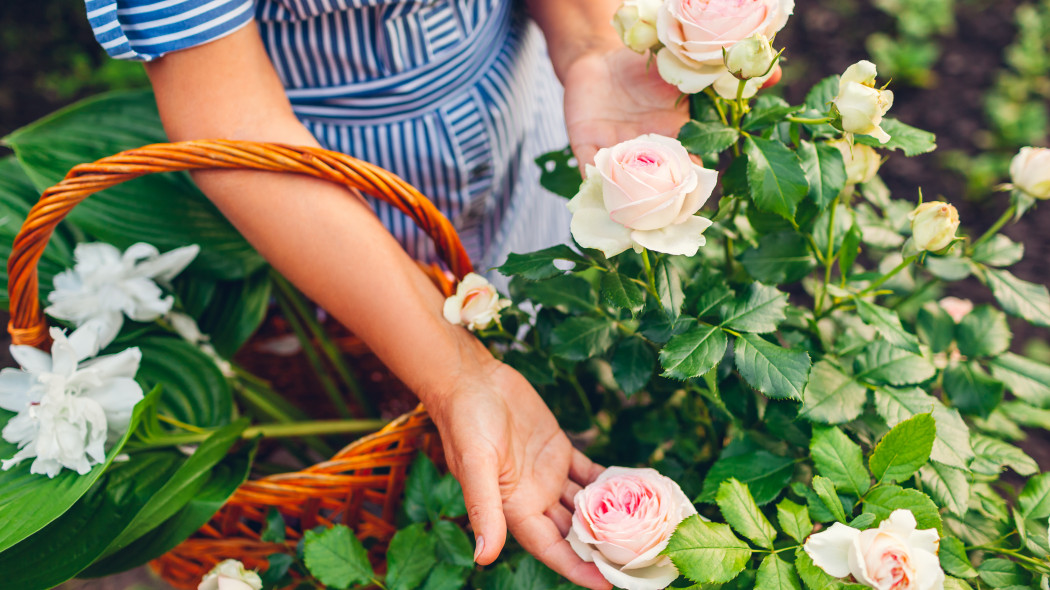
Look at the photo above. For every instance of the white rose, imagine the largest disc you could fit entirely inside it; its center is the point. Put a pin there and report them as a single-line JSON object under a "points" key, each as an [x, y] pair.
{"points": [[1030, 171], [694, 33], [933, 225], [894, 556], [230, 575], [643, 193], [635, 22], [860, 104], [623, 520], [751, 58], [475, 305], [862, 162], [956, 308]]}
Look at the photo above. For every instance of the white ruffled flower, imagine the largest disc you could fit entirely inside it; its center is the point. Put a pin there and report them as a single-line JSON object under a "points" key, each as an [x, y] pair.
{"points": [[860, 104], [106, 285], [476, 303], [67, 406], [230, 575]]}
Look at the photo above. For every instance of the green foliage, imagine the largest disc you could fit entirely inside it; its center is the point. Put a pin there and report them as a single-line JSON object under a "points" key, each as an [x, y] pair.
{"points": [[707, 552], [336, 557], [904, 449]]}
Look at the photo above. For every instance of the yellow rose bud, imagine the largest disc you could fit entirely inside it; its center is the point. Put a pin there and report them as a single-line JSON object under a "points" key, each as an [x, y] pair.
{"points": [[933, 225], [751, 58], [862, 162], [860, 104]]}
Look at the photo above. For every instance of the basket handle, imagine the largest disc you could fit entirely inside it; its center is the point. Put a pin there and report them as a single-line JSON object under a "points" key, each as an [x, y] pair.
{"points": [[28, 324]]}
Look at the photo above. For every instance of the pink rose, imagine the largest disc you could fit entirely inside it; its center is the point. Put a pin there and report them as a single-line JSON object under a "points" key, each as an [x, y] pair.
{"points": [[643, 193], [694, 32], [475, 305], [894, 556], [957, 308], [623, 521]]}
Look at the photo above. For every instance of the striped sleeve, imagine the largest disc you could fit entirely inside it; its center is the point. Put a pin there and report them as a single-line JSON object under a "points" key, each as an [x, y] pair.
{"points": [[147, 29]]}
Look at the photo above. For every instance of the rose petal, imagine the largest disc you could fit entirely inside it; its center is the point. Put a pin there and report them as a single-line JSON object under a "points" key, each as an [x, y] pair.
{"points": [[591, 225], [654, 577], [830, 549], [928, 569], [683, 239], [688, 80]]}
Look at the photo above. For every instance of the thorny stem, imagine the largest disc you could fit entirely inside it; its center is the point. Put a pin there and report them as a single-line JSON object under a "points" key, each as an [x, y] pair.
{"points": [[904, 264], [829, 259], [649, 273]]}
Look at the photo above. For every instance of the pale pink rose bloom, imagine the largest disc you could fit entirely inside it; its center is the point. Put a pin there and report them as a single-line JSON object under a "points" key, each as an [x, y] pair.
{"points": [[694, 32], [230, 575], [860, 104], [643, 193], [933, 225], [475, 305], [894, 556], [1030, 171], [623, 521], [957, 308]]}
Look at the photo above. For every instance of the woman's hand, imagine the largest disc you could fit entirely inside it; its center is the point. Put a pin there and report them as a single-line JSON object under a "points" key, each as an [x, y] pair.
{"points": [[616, 95], [517, 468]]}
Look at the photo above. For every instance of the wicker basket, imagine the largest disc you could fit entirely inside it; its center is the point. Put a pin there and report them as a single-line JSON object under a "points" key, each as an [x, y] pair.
{"points": [[361, 485]]}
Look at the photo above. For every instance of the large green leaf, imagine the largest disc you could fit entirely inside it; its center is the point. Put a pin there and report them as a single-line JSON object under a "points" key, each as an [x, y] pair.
{"points": [[707, 138], [1024, 377], [952, 445], [777, 372], [764, 473], [164, 210], [1020, 298], [825, 170], [839, 459], [235, 311], [831, 396], [742, 513], [539, 264], [775, 176], [882, 501], [580, 338], [1034, 501], [971, 390], [781, 257], [707, 552], [761, 310], [983, 332], [195, 391], [776, 574], [910, 140], [558, 174], [888, 323], [998, 251], [29, 502], [992, 455], [794, 519], [336, 557], [620, 291], [567, 293], [948, 486], [694, 352], [884, 363], [410, 557], [904, 449], [633, 364]]}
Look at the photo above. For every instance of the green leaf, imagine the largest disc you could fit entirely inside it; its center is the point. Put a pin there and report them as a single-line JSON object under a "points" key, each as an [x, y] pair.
{"points": [[952, 446], [235, 311], [532, 365], [815, 578], [29, 502], [1034, 501], [1020, 298], [882, 501], [447, 499], [954, 559], [567, 293], [935, 327], [850, 249], [839, 459], [195, 390], [166, 210], [707, 552], [539, 264], [530, 574], [742, 513], [276, 574], [452, 544], [446, 576], [336, 558], [775, 176], [768, 111], [998, 251], [694, 352], [904, 449], [888, 323], [862, 521], [622, 292], [831, 396], [410, 557], [761, 310], [777, 372], [825, 490], [883, 363], [820, 96], [764, 473], [949, 267], [781, 257], [579, 338], [999, 572], [633, 364], [422, 478], [903, 137], [707, 138], [669, 288], [558, 174], [971, 389], [948, 486], [825, 171], [951, 583], [992, 454], [983, 332], [794, 519], [1024, 377], [776, 574]]}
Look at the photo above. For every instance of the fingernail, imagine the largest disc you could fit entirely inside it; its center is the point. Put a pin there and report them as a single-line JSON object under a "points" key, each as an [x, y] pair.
{"points": [[479, 548]]}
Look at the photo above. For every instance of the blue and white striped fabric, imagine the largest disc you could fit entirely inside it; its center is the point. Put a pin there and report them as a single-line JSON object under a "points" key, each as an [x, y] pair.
{"points": [[455, 96]]}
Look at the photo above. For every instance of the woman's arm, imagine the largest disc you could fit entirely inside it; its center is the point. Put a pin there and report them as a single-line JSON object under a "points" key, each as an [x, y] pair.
{"points": [[500, 440]]}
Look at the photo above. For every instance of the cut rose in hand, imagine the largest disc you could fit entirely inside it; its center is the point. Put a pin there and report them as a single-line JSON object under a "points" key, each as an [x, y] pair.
{"points": [[643, 193], [475, 305], [623, 521]]}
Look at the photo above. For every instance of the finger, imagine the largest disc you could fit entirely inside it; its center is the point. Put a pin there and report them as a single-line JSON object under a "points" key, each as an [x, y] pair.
{"points": [[480, 481], [568, 494], [561, 517], [582, 470], [584, 155], [539, 536]]}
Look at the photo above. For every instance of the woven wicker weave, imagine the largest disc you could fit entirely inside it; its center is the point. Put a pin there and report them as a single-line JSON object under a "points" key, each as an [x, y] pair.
{"points": [[362, 484]]}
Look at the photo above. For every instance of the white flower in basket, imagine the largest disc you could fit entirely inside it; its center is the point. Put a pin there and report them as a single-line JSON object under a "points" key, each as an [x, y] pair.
{"points": [[68, 407], [106, 285]]}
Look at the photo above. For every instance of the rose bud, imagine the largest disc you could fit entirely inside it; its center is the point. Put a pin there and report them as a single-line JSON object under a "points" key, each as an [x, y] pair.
{"points": [[895, 555], [1030, 172], [751, 58], [956, 308], [862, 162], [643, 193], [635, 22], [933, 225], [623, 520], [475, 305], [860, 104], [230, 575]]}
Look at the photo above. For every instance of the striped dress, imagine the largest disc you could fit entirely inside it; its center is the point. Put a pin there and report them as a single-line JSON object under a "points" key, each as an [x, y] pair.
{"points": [[455, 96]]}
